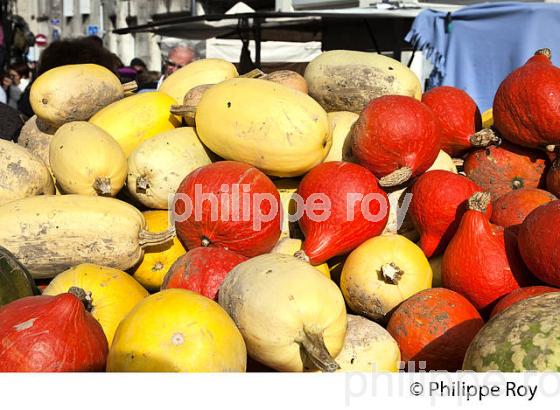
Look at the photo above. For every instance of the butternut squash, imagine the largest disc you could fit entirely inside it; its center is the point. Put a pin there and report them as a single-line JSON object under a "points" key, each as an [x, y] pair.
{"points": [[22, 174], [86, 160], [51, 233], [36, 135]]}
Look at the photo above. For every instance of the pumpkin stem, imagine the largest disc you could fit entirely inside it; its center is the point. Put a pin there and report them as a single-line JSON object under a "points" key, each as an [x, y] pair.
{"points": [[545, 52], [205, 242], [458, 162], [479, 201], [301, 255], [181, 110], [130, 87], [517, 183], [391, 273], [550, 148], [398, 177], [85, 297], [102, 185], [256, 73], [142, 184], [147, 239], [484, 137], [314, 346]]}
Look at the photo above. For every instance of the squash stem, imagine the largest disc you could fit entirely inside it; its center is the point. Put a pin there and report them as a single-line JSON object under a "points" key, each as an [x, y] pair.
{"points": [[102, 186], [146, 238], [85, 297], [130, 87], [314, 346], [301, 255], [142, 184], [181, 110], [391, 273], [398, 177], [484, 137], [545, 52], [479, 201], [256, 73]]}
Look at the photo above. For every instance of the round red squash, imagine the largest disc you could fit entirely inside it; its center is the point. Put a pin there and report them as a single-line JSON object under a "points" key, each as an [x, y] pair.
{"points": [[228, 204], [525, 107], [396, 137], [481, 261], [459, 120], [502, 169], [539, 242], [50, 334], [439, 199], [512, 208], [202, 270], [435, 326], [553, 178], [350, 208], [518, 295]]}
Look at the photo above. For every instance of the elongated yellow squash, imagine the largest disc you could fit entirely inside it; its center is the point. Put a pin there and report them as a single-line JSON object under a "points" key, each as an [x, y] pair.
{"points": [[36, 135], [86, 160], [344, 80], [340, 124], [206, 71], [51, 233], [22, 174], [134, 119], [277, 129], [74, 92]]}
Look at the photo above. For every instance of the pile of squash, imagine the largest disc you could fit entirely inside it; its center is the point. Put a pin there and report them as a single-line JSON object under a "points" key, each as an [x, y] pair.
{"points": [[336, 221]]}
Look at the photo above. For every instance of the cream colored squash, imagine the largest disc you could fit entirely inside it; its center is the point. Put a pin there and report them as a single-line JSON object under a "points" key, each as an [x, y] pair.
{"points": [[158, 165], [288, 78], [134, 119], [86, 160], [206, 71], [289, 246], [368, 347], [277, 129], [287, 187], [51, 233], [399, 220], [36, 136], [291, 316], [444, 162], [74, 92], [22, 174], [344, 80], [340, 124]]}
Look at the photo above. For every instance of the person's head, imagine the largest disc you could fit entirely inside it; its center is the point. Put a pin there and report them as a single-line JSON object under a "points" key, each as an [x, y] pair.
{"points": [[17, 72], [179, 56], [138, 65]]}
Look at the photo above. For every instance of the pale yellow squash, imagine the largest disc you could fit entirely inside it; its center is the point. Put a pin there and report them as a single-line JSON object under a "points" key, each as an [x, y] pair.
{"points": [[157, 259], [113, 292], [176, 330], [36, 135], [22, 174], [289, 246], [74, 92], [444, 162], [368, 347], [381, 273], [86, 160], [287, 187], [344, 80], [277, 129], [157, 167], [206, 71], [51, 233], [340, 124], [134, 119], [291, 316], [399, 220], [487, 118]]}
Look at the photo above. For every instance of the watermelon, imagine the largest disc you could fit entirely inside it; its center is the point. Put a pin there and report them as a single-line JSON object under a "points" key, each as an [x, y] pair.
{"points": [[525, 337]]}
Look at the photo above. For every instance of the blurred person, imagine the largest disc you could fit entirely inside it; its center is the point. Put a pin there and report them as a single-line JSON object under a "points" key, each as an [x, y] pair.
{"points": [[3, 95], [138, 65], [13, 93], [19, 73], [147, 80]]}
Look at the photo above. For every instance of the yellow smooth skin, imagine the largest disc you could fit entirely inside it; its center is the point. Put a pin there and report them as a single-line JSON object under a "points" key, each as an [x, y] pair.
{"points": [[274, 299], [52, 233], [200, 72], [81, 152], [487, 118], [113, 292], [157, 259], [289, 246], [163, 161], [177, 330], [363, 286], [279, 130], [443, 162], [368, 347], [340, 124], [287, 187], [36, 135], [134, 119], [73, 92]]}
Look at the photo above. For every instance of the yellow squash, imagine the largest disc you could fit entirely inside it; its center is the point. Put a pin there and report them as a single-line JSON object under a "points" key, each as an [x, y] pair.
{"points": [[444, 162], [113, 292], [22, 174], [381, 273], [157, 167], [134, 119], [157, 259], [287, 187], [487, 118], [291, 316], [176, 330], [399, 220], [289, 246], [368, 347], [340, 124], [74, 92], [86, 160], [200, 72], [277, 129], [36, 135], [51, 233], [344, 80]]}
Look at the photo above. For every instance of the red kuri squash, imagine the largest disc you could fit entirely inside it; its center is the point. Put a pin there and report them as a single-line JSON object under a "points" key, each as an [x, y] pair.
{"points": [[553, 178], [518, 295], [512, 208]]}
